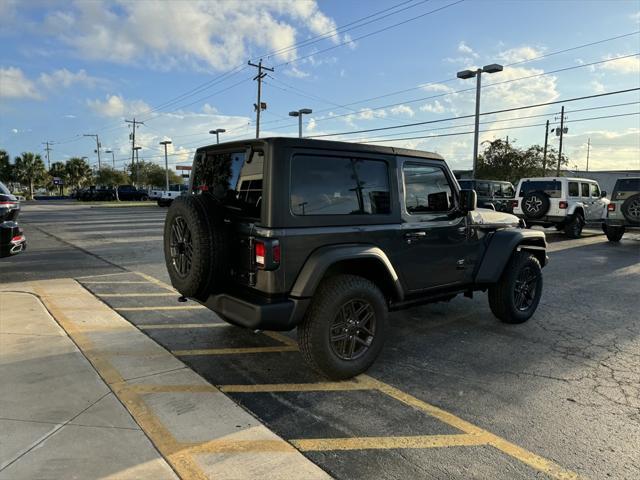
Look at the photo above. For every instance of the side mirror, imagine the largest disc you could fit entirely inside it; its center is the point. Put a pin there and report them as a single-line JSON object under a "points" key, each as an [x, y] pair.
{"points": [[603, 194], [468, 200]]}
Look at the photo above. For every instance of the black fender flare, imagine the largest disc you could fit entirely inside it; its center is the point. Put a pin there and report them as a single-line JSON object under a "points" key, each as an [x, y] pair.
{"points": [[501, 246], [323, 258]]}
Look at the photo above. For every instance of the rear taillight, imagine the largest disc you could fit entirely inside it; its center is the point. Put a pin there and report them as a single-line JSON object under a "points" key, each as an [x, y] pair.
{"points": [[611, 207], [276, 253], [17, 239], [10, 204], [563, 205], [514, 203], [261, 251]]}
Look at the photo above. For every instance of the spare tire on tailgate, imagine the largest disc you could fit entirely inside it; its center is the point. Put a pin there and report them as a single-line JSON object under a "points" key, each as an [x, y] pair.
{"points": [[631, 208], [196, 245], [535, 204]]}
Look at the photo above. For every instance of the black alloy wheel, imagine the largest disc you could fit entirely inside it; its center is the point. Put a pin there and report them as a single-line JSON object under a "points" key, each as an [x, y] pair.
{"points": [[181, 247], [535, 204], [525, 288], [353, 329]]}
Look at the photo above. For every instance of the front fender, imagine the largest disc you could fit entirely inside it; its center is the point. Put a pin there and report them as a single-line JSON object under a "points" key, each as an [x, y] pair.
{"points": [[317, 264], [502, 244]]}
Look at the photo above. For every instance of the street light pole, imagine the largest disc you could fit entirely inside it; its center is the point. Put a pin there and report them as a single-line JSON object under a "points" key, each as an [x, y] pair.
{"points": [[137, 166], [299, 113], [113, 158], [166, 163], [465, 74], [217, 133]]}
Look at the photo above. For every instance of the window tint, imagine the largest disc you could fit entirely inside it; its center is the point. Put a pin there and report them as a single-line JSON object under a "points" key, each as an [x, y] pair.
{"points": [[426, 189], [595, 191], [4, 190], [508, 191], [483, 189], [234, 180], [466, 184], [574, 191], [339, 186], [553, 188], [585, 189], [625, 188]]}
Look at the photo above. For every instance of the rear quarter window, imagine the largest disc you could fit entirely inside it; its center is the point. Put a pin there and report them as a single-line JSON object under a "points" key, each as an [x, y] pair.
{"points": [[553, 188], [626, 188]]}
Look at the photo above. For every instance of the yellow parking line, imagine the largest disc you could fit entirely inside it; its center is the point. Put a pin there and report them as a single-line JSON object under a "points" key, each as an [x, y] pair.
{"points": [[168, 294], [156, 281], [232, 351], [171, 326], [149, 309], [111, 282], [103, 275], [282, 338], [238, 446], [296, 387], [379, 443], [143, 389]]}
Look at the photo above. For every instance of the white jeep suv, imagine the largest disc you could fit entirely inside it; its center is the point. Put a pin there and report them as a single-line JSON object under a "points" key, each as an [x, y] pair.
{"points": [[566, 203]]}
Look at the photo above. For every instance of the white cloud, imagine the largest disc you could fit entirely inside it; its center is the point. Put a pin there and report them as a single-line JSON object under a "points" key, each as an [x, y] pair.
{"points": [[14, 130], [466, 49], [435, 107], [175, 34], [622, 65], [117, 106], [65, 78], [635, 17], [295, 72], [209, 109], [14, 84], [311, 125], [597, 86], [519, 54], [402, 110], [437, 87]]}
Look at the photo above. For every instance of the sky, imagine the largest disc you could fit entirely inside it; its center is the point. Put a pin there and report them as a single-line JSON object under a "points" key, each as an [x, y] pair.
{"points": [[72, 68]]}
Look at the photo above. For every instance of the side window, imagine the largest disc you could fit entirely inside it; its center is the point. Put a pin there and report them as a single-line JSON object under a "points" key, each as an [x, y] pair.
{"points": [[574, 191], [508, 191], [483, 189], [427, 189], [585, 189], [595, 191], [339, 186]]}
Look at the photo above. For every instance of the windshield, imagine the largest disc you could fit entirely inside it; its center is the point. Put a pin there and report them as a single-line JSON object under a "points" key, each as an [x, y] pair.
{"points": [[4, 190], [233, 178], [553, 188], [625, 188]]}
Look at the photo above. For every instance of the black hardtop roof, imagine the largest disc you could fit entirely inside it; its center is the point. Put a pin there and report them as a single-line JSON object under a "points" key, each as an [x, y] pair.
{"points": [[324, 144]]}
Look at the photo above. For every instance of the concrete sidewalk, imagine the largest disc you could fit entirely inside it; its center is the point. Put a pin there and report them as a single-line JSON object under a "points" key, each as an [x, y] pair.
{"points": [[58, 419], [98, 398]]}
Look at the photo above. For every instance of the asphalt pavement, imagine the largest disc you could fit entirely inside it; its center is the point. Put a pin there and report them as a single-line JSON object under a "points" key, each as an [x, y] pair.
{"points": [[454, 394]]}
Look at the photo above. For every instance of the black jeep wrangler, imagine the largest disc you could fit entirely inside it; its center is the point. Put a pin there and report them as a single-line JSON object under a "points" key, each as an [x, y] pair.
{"points": [[329, 237]]}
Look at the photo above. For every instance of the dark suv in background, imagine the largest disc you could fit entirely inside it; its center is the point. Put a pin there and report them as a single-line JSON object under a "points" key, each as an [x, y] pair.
{"points": [[12, 239], [495, 194], [329, 237]]}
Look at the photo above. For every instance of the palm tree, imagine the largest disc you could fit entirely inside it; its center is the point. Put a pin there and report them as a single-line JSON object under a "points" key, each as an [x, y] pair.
{"points": [[29, 168], [6, 169], [58, 170], [78, 172]]}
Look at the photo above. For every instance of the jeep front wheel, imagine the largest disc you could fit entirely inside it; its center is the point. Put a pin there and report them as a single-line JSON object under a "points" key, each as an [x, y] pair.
{"points": [[344, 328], [614, 234], [573, 228], [515, 297]]}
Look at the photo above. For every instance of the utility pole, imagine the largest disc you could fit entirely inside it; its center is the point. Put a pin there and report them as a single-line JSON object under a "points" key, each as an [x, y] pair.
{"points": [[544, 153], [166, 163], [97, 146], [259, 106], [135, 149], [133, 137], [48, 149], [561, 135], [588, 148]]}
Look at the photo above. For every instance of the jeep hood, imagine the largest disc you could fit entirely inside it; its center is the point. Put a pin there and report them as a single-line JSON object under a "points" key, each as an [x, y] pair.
{"points": [[491, 218]]}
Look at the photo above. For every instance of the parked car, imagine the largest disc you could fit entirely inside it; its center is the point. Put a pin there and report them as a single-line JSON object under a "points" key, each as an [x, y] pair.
{"points": [[97, 194], [329, 237], [494, 194], [168, 196], [12, 238], [623, 212], [566, 203], [129, 192]]}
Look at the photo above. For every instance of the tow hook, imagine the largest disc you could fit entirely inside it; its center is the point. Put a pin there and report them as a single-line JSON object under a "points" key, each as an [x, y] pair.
{"points": [[182, 299]]}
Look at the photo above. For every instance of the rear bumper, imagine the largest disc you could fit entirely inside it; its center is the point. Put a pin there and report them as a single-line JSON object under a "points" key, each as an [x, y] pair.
{"points": [[12, 239], [545, 220], [622, 223], [258, 313]]}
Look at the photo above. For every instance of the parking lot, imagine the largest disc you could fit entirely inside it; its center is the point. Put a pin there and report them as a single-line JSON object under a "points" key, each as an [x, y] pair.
{"points": [[455, 393]]}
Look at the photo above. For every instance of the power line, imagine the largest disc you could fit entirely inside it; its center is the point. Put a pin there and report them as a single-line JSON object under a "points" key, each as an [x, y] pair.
{"points": [[513, 109]]}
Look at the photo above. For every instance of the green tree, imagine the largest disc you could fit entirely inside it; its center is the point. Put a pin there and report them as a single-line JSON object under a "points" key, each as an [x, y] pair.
{"points": [[78, 172], [157, 177], [111, 177], [6, 169], [151, 174], [29, 168], [57, 170], [505, 161]]}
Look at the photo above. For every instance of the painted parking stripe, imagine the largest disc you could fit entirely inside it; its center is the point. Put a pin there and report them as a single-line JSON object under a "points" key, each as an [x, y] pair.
{"points": [[380, 443], [297, 387], [168, 294], [171, 326], [150, 309], [232, 351]]}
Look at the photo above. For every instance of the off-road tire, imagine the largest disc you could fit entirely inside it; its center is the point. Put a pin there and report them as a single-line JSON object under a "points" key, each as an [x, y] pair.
{"points": [[501, 295], [209, 243], [574, 226], [614, 234], [538, 199], [631, 209], [314, 334]]}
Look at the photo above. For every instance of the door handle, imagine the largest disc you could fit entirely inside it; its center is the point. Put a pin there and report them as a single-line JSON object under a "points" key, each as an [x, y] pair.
{"points": [[411, 235]]}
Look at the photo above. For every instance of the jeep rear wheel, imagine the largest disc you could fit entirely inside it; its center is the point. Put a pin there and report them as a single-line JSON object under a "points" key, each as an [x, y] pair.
{"points": [[614, 234], [344, 329], [573, 228], [515, 298]]}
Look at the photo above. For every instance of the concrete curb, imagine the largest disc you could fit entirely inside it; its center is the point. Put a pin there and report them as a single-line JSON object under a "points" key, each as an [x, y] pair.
{"points": [[199, 430]]}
